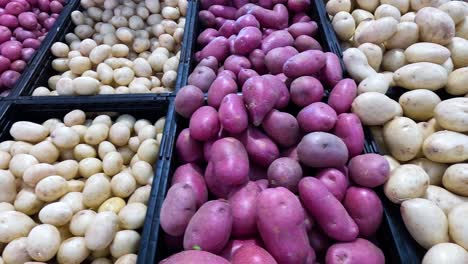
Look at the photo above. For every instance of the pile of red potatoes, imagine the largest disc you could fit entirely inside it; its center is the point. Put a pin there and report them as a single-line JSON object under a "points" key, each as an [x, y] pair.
{"points": [[276, 174]]}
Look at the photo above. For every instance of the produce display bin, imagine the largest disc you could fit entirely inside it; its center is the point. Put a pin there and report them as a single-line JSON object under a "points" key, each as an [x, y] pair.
{"points": [[41, 68], [148, 108], [36, 61]]}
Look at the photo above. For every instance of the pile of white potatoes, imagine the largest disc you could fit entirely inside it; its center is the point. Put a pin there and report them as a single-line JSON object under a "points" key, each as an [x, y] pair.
{"points": [[76, 190], [119, 47], [422, 46]]}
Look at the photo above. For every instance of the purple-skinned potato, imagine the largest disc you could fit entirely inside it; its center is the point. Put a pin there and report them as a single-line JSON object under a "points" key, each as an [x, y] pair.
{"points": [[187, 148], [192, 175]]}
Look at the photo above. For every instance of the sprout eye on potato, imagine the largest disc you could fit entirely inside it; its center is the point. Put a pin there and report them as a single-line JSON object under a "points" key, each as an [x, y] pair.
{"points": [[75, 196]]}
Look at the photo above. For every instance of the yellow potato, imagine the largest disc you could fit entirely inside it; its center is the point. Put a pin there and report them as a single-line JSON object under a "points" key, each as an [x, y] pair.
{"points": [[114, 204], [406, 182], [403, 138], [421, 75], [375, 108], [435, 26], [419, 104], [344, 25], [427, 52], [451, 114], [446, 147]]}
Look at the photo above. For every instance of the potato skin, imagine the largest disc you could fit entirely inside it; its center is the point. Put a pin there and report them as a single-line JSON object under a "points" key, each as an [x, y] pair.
{"points": [[360, 251], [202, 77], [365, 207], [188, 99], [403, 138], [230, 161], [375, 108], [450, 114], [285, 172], [304, 64], [435, 25], [369, 170], [177, 209], [243, 204], [398, 188], [433, 230], [191, 174], [455, 179], [320, 149], [194, 257], [419, 104], [348, 127], [317, 117], [275, 58], [280, 222], [335, 181], [260, 148], [306, 90], [446, 147], [458, 227], [444, 199], [327, 210], [342, 95], [187, 148], [210, 227], [429, 76], [252, 254], [445, 253], [282, 127]]}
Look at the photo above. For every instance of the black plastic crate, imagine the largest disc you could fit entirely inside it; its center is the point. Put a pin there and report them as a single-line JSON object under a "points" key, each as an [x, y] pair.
{"points": [[315, 12], [38, 56], [148, 108], [41, 68]]}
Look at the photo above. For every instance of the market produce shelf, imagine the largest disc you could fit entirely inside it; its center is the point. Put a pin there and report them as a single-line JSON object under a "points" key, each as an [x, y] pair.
{"points": [[41, 68], [36, 61], [148, 108]]}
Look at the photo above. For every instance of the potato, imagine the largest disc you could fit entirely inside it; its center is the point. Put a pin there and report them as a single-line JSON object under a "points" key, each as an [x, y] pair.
{"points": [[80, 222], [458, 52], [20, 147], [127, 259], [374, 83], [406, 182], [123, 184], [376, 31], [334, 150], [335, 6], [28, 131], [51, 188], [434, 170], [421, 75], [114, 204], [445, 253], [74, 200], [15, 225], [455, 177], [435, 26], [6, 207], [27, 202], [386, 10], [369, 5], [369, 170], [75, 117], [141, 195], [68, 169], [402, 5], [357, 65], [450, 114], [419, 104], [125, 242], [119, 134], [101, 231], [7, 187], [43, 242], [358, 250], [373, 54], [112, 163], [457, 225], [132, 216], [344, 25], [57, 214], [375, 108], [457, 81], [446, 147], [15, 252], [462, 28], [198, 256], [444, 199], [393, 60], [73, 250], [426, 222], [427, 52], [316, 117], [65, 137], [82, 151], [97, 189], [45, 151]]}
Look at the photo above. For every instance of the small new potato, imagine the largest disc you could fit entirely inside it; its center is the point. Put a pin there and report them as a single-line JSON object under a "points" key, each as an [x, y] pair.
{"points": [[73, 250], [376, 31], [335, 6], [51, 188], [344, 25], [458, 227], [457, 82], [101, 231], [43, 242], [132, 216], [419, 104], [398, 188], [427, 52], [445, 253], [57, 214], [80, 222]]}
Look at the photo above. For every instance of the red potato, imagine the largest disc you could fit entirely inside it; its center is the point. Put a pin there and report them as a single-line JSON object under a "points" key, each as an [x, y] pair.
{"points": [[239, 3], [226, 12], [220, 87], [177, 209], [234, 245], [303, 28], [257, 58], [210, 62], [244, 210], [280, 86], [303, 43], [218, 48], [349, 128], [247, 20], [188, 100], [329, 213], [202, 77], [306, 90], [335, 181], [317, 117], [230, 161], [282, 127], [204, 123], [227, 29], [210, 227], [259, 98], [365, 207], [276, 57], [277, 39], [233, 114], [322, 150], [280, 222], [261, 149], [342, 96], [192, 175], [298, 5], [332, 72], [218, 188], [207, 18], [248, 39], [262, 184], [285, 172], [274, 19], [226, 73], [235, 63], [319, 241], [252, 254], [194, 257], [359, 251], [187, 148], [369, 170], [206, 36], [245, 74], [205, 4], [305, 63], [300, 17]]}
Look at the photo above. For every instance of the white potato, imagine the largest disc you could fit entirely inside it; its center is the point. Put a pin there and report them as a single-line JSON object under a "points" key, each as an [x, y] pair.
{"points": [[455, 179], [20, 162], [37, 172], [81, 221], [28, 131], [83, 151], [75, 185], [96, 133], [445, 253], [73, 251], [458, 226], [89, 166], [421, 75], [101, 231], [57, 214], [6, 207], [104, 148], [7, 187], [457, 81], [125, 242], [20, 147], [141, 195], [406, 182], [74, 200], [132, 216], [14, 225], [374, 83], [375, 108], [45, 151], [119, 134], [123, 184], [419, 104], [112, 163], [68, 169], [15, 252], [75, 117], [43, 242], [142, 171], [148, 150], [451, 114], [27, 202], [434, 170], [51, 188], [97, 189], [114, 204], [127, 259], [65, 137], [446, 147], [444, 199]]}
